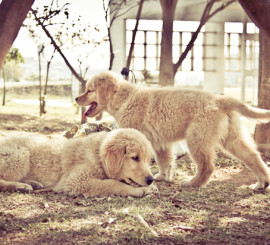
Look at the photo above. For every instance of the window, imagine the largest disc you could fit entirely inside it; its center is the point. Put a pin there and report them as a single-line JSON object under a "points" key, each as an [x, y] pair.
{"points": [[146, 54]]}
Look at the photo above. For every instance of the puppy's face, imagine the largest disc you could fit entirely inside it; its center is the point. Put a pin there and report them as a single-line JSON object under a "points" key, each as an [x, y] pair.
{"points": [[97, 94], [127, 155], [135, 170]]}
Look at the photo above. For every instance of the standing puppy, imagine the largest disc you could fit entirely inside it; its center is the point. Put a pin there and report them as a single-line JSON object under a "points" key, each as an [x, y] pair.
{"points": [[166, 115]]}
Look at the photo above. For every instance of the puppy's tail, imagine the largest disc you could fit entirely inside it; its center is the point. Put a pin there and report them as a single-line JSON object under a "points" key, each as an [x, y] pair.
{"points": [[230, 104]]}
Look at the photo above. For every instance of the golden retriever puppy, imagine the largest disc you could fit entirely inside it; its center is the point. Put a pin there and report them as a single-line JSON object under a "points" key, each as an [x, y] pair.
{"points": [[101, 164], [166, 115]]}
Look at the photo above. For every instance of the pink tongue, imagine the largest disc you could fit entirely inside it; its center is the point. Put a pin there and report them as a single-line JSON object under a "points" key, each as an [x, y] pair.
{"points": [[84, 116], [88, 109]]}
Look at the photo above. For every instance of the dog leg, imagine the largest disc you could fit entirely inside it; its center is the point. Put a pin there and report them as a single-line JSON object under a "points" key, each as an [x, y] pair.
{"points": [[205, 167], [12, 186], [96, 187], [203, 136], [165, 162], [244, 150], [201, 140]]}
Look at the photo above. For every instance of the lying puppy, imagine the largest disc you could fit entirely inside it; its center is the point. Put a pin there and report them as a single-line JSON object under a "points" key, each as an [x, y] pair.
{"points": [[166, 115], [101, 164]]}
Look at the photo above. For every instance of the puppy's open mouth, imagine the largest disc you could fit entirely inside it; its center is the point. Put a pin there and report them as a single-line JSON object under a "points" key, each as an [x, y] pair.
{"points": [[131, 182], [90, 109]]}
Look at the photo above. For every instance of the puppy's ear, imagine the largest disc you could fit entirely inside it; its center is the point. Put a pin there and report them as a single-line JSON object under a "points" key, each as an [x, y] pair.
{"points": [[112, 161], [106, 87]]}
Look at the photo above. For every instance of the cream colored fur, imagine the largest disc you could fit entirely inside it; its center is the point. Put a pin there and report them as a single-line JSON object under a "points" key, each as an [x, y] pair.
{"points": [[166, 115], [101, 164]]}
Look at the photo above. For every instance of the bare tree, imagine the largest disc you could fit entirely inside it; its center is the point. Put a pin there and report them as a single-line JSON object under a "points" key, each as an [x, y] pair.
{"points": [[57, 47], [12, 15], [42, 95], [42, 45], [134, 32], [40, 51], [64, 35], [113, 9], [166, 64], [207, 14], [167, 68], [48, 61]]}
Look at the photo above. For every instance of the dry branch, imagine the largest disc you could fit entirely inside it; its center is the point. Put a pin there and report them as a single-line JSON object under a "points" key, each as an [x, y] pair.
{"points": [[57, 47], [144, 223], [205, 17]]}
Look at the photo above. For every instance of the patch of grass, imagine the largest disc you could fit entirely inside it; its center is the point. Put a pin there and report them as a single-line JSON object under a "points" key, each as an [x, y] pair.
{"points": [[223, 161], [217, 214]]}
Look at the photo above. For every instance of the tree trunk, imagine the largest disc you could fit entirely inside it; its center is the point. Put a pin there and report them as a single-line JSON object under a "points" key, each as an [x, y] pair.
{"points": [[166, 76], [111, 49], [259, 12], [138, 17], [12, 15], [4, 88], [262, 131], [43, 97], [47, 76], [83, 86], [39, 78]]}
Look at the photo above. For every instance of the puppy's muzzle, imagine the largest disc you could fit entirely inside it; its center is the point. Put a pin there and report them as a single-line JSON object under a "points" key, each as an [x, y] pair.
{"points": [[149, 180], [76, 99]]}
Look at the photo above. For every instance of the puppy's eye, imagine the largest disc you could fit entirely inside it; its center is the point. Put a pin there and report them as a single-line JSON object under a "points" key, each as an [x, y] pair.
{"points": [[89, 91], [135, 158]]}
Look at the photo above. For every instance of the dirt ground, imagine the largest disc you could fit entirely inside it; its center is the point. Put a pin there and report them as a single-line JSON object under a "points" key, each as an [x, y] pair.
{"points": [[29, 124]]}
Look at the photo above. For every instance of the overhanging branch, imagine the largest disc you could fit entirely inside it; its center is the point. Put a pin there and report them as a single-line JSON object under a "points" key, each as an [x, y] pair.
{"points": [[205, 17], [57, 48]]}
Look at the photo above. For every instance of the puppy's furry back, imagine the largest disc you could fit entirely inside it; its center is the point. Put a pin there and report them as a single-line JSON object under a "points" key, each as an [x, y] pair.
{"points": [[34, 156]]}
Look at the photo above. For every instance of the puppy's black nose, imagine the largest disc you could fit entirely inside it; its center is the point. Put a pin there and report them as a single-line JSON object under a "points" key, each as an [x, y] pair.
{"points": [[76, 99], [149, 180]]}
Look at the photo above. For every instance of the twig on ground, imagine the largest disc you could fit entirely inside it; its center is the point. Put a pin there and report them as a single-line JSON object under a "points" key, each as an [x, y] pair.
{"points": [[173, 197], [144, 223], [185, 228]]}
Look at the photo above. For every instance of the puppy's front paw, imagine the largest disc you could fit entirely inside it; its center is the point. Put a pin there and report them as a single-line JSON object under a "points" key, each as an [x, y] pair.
{"points": [[152, 189], [23, 187], [143, 191], [35, 185]]}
